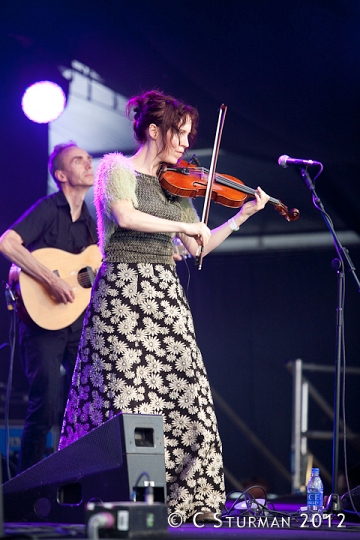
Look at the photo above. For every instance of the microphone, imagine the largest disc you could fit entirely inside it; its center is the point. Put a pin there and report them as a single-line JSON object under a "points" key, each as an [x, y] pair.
{"points": [[194, 160], [284, 161]]}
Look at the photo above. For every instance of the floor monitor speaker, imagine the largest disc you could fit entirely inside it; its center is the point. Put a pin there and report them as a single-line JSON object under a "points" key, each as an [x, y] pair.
{"points": [[351, 498], [118, 458]]}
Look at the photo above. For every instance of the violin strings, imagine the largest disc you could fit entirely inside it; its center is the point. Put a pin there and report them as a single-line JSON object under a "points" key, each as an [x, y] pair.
{"points": [[231, 183], [228, 182]]}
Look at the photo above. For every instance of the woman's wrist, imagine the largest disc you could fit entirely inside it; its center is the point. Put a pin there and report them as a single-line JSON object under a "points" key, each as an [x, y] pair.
{"points": [[233, 225]]}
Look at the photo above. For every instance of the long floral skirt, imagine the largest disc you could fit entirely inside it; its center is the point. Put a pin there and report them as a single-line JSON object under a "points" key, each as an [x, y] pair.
{"points": [[138, 354]]}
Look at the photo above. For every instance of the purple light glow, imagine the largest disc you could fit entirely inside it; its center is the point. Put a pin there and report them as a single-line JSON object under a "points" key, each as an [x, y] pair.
{"points": [[43, 102]]}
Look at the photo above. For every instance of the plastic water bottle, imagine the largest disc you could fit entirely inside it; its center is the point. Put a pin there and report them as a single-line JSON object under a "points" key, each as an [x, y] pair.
{"points": [[315, 494]]}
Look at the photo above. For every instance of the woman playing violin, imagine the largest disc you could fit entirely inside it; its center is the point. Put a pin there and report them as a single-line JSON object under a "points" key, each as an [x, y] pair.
{"points": [[138, 352]]}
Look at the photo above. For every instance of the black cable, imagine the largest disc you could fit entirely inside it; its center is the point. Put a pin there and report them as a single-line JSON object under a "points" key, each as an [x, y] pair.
{"points": [[247, 497], [344, 410], [255, 508], [133, 493], [188, 278], [181, 250]]}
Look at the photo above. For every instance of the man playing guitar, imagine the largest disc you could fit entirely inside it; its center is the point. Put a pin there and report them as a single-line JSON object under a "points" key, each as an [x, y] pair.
{"points": [[61, 221]]}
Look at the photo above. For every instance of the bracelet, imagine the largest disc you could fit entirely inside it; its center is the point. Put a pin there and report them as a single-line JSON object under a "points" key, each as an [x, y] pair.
{"points": [[232, 224]]}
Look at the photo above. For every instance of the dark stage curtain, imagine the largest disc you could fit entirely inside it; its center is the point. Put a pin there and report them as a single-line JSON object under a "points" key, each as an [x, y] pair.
{"points": [[253, 313]]}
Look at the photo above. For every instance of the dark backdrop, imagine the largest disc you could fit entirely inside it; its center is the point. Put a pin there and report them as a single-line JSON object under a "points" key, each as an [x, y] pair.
{"points": [[254, 313]]}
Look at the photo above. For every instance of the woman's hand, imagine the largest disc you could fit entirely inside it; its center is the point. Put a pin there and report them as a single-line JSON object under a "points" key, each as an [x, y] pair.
{"points": [[253, 206], [199, 231]]}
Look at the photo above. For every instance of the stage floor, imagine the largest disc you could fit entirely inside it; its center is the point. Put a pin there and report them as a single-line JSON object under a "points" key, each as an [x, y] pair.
{"points": [[284, 520]]}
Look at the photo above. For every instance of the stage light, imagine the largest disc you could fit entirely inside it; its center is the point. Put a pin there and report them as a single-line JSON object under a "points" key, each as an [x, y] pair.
{"points": [[43, 102], [44, 91]]}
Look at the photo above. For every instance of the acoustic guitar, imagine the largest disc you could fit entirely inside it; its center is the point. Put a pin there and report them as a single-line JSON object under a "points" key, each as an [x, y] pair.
{"points": [[33, 300]]}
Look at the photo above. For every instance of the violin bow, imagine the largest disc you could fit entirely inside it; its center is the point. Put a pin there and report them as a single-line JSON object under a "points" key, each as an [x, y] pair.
{"points": [[211, 176]]}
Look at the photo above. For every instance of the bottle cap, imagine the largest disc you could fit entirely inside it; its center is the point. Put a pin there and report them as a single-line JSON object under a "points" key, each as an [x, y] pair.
{"points": [[315, 470]]}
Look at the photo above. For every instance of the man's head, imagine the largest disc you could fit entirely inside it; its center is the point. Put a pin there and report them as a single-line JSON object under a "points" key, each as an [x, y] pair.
{"points": [[70, 165]]}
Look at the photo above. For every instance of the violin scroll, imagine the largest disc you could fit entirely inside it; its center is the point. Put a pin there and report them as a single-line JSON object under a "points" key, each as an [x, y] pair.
{"points": [[289, 215]]}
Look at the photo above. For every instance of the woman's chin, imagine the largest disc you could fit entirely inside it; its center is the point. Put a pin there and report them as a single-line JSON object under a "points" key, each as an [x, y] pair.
{"points": [[172, 161]]}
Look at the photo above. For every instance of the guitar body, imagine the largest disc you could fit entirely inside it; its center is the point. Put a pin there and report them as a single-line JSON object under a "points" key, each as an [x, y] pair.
{"points": [[34, 303]]}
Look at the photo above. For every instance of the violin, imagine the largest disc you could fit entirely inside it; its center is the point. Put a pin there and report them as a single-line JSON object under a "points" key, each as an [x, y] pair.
{"points": [[189, 180]]}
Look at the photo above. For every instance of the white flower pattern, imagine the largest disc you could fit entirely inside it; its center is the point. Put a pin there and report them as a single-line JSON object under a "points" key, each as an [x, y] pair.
{"points": [[138, 354]]}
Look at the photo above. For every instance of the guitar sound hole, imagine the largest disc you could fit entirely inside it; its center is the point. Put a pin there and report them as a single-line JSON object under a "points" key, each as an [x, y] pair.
{"points": [[86, 277]]}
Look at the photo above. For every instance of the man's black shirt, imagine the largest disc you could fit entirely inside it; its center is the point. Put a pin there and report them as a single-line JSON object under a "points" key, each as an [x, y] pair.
{"points": [[48, 223]]}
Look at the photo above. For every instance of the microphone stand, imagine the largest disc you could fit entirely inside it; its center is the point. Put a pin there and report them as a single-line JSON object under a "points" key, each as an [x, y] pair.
{"points": [[334, 503]]}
